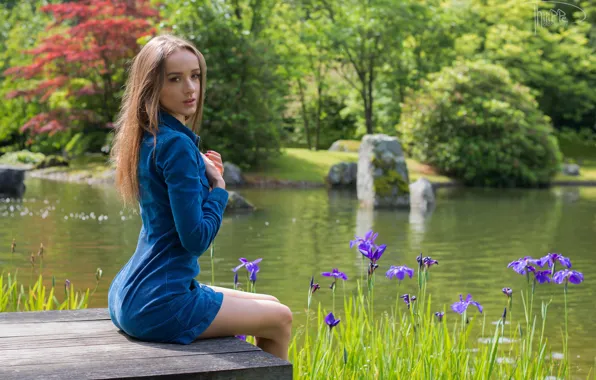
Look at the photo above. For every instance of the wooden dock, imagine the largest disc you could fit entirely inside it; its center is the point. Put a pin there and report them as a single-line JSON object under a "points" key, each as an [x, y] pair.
{"points": [[84, 344]]}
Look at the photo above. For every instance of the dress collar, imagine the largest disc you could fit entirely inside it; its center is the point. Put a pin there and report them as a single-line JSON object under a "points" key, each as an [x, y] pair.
{"points": [[175, 124]]}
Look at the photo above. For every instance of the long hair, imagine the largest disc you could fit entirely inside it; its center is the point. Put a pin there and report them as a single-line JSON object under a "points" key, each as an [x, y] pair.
{"points": [[140, 107]]}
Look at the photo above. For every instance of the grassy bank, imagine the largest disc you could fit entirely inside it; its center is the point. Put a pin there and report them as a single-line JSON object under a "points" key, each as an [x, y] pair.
{"points": [[305, 165]]}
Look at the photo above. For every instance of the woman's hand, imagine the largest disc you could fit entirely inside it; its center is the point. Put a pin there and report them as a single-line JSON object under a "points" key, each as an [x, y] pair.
{"points": [[216, 159], [213, 173]]}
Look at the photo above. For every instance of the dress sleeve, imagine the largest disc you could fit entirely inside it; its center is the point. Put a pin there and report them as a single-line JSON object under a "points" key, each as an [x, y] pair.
{"points": [[197, 223]]}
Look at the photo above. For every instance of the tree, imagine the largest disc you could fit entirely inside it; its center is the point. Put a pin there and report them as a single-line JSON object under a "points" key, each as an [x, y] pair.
{"points": [[363, 34], [77, 70], [20, 29], [245, 95]]}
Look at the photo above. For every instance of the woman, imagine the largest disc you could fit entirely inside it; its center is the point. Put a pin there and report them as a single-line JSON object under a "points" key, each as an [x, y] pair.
{"points": [[182, 198]]}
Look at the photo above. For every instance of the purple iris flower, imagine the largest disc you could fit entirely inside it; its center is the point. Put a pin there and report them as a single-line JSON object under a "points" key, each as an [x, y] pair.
{"points": [[408, 299], [521, 265], [336, 274], [313, 286], [253, 276], [461, 306], [426, 262], [369, 238], [552, 258], [399, 272], [373, 252], [567, 275], [541, 276], [508, 292], [439, 315], [235, 280], [251, 266], [331, 321], [241, 337]]}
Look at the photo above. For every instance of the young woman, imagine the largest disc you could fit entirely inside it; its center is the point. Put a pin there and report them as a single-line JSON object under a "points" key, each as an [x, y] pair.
{"points": [[182, 197]]}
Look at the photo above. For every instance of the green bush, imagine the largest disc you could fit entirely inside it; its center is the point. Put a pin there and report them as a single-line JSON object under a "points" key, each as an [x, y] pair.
{"points": [[473, 123], [22, 157]]}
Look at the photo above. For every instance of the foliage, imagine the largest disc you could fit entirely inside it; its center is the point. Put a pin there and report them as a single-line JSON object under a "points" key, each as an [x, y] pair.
{"points": [[22, 157], [472, 122], [14, 297], [245, 94], [553, 58], [77, 70], [22, 24]]}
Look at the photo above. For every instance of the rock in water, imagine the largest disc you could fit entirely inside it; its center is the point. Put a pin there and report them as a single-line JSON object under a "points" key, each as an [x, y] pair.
{"points": [[12, 180], [236, 202], [343, 174], [422, 195], [382, 180]]}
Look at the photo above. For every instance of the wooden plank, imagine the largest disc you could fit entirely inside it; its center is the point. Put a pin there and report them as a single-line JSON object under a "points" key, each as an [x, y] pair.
{"points": [[85, 344], [115, 351], [54, 316], [242, 365], [56, 328]]}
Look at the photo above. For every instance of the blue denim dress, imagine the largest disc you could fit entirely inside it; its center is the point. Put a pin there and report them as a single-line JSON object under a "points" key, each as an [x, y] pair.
{"points": [[155, 296]]}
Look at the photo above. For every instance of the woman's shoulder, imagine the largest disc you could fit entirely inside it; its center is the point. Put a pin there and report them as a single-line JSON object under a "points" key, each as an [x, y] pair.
{"points": [[168, 143], [166, 136]]}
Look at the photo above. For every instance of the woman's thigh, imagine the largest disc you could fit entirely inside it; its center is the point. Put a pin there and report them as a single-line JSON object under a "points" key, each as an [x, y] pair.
{"points": [[240, 294], [261, 318]]}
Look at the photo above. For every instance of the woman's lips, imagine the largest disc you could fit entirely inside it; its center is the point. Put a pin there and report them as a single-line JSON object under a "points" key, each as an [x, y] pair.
{"points": [[190, 102]]}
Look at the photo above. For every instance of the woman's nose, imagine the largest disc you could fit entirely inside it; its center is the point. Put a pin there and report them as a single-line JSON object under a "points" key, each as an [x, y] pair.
{"points": [[189, 87]]}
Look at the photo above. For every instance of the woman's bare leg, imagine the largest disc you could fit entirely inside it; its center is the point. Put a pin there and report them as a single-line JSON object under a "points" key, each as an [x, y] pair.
{"points": [[241, 294], [269, 320]]}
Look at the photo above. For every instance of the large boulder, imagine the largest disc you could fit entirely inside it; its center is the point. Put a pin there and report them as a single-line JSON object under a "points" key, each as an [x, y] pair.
{"points": [[382, 173], [232, 175], [345, 146], [422, 195], [343, 174], [571, 169], [236, 202], [12, 180]]}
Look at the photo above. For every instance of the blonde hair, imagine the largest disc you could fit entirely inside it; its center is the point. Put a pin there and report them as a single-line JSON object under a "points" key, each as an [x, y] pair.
{"points": [[140, 107]]}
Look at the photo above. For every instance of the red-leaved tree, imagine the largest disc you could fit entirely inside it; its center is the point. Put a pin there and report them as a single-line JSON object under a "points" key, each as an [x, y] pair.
{"points": [[84, 57]]}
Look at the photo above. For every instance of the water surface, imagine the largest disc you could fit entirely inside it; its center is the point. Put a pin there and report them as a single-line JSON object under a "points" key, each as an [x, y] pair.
{"points": [[473, 233]]}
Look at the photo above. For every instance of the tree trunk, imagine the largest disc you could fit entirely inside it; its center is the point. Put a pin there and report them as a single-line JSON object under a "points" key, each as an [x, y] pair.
{"points": [[304, 114], [319, 109]]}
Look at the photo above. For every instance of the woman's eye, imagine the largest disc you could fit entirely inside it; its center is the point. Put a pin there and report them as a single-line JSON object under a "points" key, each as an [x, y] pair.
{"points": [[174, 79], [196, 76]]}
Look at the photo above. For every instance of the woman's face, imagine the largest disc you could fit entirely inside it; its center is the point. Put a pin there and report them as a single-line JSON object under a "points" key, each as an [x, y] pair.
{"points": [[182, 86]]}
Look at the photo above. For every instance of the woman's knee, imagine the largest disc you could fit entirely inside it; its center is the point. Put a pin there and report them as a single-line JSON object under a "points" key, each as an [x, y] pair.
{"points": [[285, 318]]}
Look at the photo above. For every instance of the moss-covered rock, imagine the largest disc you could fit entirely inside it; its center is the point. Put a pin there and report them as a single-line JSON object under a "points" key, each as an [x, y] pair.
{"points": [[51, 161], [382, 173]]}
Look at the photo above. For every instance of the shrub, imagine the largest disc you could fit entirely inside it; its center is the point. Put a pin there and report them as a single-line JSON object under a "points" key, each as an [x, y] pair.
{"points": [[22, 157], [473, 123]]}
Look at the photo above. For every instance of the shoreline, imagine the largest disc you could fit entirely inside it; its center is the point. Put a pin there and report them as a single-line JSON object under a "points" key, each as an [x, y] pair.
{"points": [[107, 178]]}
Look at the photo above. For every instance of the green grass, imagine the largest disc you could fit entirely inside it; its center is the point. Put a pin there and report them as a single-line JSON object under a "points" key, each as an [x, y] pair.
{"points": [[313, 166]]}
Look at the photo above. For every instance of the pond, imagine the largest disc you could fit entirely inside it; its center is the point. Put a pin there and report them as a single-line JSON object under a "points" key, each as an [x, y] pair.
{"points": [[473, 233]]}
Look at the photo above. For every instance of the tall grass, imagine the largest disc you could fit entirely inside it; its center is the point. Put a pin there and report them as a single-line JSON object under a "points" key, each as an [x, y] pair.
{"points": [[14, 296], [413, 342]]}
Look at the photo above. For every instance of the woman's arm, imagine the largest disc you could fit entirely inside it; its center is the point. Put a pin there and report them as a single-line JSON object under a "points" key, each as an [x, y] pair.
{"points": [[197, 223]]}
